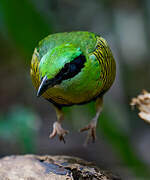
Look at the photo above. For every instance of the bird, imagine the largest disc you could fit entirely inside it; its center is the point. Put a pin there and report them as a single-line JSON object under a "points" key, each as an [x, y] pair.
{"points": [[73, 68]]}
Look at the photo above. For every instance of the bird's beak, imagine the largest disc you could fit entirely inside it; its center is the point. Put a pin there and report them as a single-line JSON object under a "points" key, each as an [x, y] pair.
{"points": [[47, 83], [43, 87]]}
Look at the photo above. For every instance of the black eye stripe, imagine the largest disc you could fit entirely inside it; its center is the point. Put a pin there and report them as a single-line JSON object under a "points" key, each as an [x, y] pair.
{"points": [[71, 69], [67, 72]]}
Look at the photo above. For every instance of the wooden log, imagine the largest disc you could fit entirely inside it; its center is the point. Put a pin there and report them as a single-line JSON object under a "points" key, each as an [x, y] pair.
{"points": [[34, 167]]}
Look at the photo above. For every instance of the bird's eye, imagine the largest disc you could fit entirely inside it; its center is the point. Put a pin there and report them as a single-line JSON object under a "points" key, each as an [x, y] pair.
{"points": [[66, 67], [79, 61]]}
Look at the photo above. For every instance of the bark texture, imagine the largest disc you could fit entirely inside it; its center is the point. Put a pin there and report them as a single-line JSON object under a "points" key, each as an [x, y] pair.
{"points": [[34, 167]]}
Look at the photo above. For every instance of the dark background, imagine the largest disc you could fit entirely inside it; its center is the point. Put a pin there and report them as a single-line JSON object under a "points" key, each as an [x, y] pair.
{"points": [[25, 121]]}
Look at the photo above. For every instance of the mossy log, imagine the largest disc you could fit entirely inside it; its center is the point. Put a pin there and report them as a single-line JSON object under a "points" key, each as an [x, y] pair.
{"points": [[34, 167]]}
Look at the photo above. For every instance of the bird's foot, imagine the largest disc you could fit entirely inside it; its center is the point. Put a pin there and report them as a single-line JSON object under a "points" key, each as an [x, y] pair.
{"points": [[91, 128], [57, 129]]}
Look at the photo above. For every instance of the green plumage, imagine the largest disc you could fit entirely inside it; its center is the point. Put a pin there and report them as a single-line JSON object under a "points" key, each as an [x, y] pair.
{"points": [[94, 79]]}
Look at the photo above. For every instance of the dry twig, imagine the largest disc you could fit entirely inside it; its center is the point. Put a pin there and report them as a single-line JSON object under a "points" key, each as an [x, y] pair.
{"points": [[142, 102]]}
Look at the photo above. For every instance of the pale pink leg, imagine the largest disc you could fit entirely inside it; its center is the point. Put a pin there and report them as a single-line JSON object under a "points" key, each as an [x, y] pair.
{"points": [[91, 127], [57, 128]]}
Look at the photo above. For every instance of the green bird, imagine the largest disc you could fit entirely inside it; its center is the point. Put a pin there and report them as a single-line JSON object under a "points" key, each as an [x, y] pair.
{"points": [[73, 68]]}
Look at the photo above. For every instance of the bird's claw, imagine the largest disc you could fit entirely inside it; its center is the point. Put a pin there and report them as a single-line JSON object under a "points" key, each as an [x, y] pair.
{"points": [[91, 128], [57, 129]]}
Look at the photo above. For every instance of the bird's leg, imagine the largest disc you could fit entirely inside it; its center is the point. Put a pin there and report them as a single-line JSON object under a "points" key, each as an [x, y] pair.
{"points": [[57, 128], [91, 127]]}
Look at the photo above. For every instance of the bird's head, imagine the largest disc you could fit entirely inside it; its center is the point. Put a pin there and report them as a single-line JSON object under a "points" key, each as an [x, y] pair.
{"points": [[58, 64]]}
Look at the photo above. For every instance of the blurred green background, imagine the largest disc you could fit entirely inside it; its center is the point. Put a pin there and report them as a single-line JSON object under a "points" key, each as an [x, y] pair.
{"points": [[25, 122]]}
